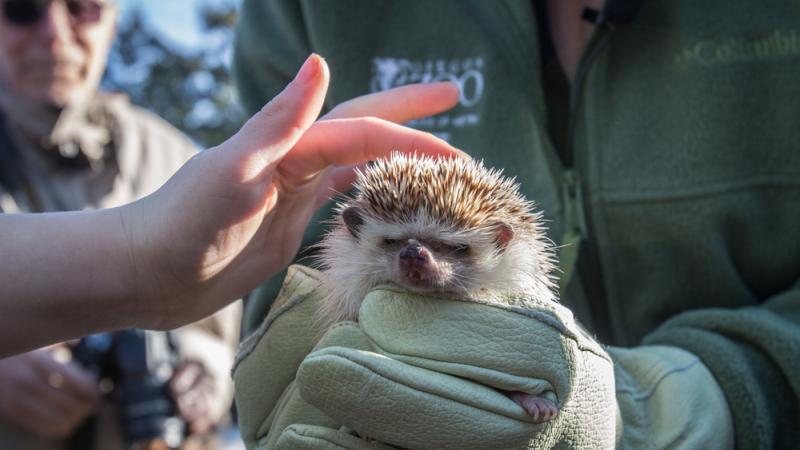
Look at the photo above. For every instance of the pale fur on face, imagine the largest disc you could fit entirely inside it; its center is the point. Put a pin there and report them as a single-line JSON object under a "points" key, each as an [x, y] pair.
{"points": [[352, 266]]}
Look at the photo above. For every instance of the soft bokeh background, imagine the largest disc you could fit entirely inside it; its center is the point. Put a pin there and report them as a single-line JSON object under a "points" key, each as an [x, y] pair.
{"points": [[173, 57], [179, 22]]}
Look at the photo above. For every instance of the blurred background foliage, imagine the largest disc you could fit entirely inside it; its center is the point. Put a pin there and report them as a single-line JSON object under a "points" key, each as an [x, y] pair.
{"points": [[190, 88]]}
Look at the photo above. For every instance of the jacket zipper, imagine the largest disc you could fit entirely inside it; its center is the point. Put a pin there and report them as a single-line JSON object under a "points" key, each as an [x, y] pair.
{"points": [[578, 220]]}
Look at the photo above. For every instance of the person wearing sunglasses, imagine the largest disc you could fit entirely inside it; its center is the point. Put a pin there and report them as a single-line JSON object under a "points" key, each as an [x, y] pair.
{"points": [[64, 145], [55, 51], [231, 217], [26, 12]]}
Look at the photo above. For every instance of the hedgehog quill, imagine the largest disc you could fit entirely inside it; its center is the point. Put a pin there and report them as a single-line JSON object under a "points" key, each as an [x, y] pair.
{"points": [[447, 226]]}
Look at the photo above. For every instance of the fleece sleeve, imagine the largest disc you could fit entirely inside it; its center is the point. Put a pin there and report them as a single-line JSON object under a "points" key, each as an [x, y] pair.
{"points": [[754, 353]]}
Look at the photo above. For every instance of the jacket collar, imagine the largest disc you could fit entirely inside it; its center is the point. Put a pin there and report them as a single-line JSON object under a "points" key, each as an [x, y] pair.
{"points": [[76, 134]]}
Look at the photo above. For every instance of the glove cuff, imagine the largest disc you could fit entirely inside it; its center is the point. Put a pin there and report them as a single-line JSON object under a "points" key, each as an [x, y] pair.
{"points": [[269, 358], [667, 398]]}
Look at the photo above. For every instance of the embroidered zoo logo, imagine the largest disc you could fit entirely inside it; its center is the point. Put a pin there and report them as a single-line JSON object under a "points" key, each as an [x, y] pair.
{"points": [[466, 73]]}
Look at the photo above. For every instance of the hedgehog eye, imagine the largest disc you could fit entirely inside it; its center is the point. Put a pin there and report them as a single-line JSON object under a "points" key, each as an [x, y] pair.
{"points": [[390, 242], [459, 249]]}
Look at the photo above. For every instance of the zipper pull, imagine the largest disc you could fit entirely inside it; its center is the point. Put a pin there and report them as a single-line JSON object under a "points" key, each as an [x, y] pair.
{"points": [[575, 229]]}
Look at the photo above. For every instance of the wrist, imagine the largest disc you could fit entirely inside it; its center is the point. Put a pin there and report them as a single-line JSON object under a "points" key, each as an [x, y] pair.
{"points": [[138, 247], [115, 280], [664, 392], [71, 269]]}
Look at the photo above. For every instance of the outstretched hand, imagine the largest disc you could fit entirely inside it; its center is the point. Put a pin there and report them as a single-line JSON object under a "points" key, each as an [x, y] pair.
{"points": [[230, 218], [234, 215]]}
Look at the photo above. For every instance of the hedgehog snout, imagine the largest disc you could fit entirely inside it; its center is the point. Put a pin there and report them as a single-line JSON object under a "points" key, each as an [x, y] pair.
{"points": [[416, 263], [414, 251]]}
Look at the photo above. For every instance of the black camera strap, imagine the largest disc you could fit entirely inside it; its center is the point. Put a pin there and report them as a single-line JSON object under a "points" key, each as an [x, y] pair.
{"points": [[10, 178], [11, 175]]}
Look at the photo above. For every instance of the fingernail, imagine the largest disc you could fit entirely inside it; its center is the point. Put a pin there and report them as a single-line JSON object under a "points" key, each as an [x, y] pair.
{"points": [[310, 69]]}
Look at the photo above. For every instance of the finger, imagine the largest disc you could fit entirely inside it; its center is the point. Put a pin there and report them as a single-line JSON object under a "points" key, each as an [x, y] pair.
{"points": [[399, 395], [193, 405], [339, 181], [401, 104], [42, 419], [57, 402], [200, 425], [186, 377], [306, 436], [272, 132], [344, 142], [343, 177], [68, 378], [43, 388]]}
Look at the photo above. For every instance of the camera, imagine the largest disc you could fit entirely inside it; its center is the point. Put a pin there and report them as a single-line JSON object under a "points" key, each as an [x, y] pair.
{"points": [[136, 366]]}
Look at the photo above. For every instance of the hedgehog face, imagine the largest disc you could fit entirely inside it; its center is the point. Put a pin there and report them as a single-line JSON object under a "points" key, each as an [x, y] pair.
{"points": [[434, 225], [422, 255]]}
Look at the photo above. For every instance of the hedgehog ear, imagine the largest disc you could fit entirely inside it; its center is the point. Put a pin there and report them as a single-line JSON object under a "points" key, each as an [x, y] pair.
{"points": [[503, 233], [353, 219]]}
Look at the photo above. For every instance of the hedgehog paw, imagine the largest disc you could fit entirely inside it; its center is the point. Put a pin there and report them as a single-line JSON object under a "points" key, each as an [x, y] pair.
{"points": [[539, 408]]}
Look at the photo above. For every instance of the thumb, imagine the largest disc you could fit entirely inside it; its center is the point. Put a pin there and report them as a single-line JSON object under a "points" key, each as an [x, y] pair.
{"points": [[274, 130]]}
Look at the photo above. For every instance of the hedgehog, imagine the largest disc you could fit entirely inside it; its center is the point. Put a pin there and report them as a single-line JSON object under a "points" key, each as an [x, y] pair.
{"points": [[434, 225]]}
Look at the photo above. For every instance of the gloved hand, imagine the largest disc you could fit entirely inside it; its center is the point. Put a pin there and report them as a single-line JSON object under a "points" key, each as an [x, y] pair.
{"points": [[271, 412], [428, 373]]}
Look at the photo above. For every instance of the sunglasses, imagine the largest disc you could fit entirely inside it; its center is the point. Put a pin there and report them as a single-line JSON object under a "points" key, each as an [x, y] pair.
{"points": [[29, 12]]}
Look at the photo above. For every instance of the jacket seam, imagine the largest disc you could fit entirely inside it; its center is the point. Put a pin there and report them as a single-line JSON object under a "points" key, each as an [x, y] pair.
{"points": [[708, 190]]}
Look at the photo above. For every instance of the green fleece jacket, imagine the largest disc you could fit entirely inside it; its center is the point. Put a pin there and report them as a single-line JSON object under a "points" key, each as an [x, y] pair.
{"points": [[675, 159]]}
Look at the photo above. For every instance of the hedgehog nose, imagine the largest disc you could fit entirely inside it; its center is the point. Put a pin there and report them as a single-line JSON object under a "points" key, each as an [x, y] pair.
{"points": [[413, 250]]}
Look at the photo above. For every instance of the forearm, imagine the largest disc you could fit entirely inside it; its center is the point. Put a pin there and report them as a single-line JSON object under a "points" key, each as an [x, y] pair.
{"points": [[64, 275], [753, 353]]}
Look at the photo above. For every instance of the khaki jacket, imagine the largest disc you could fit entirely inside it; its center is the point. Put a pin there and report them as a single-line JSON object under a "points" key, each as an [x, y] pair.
{"points": [[101, 154]]}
